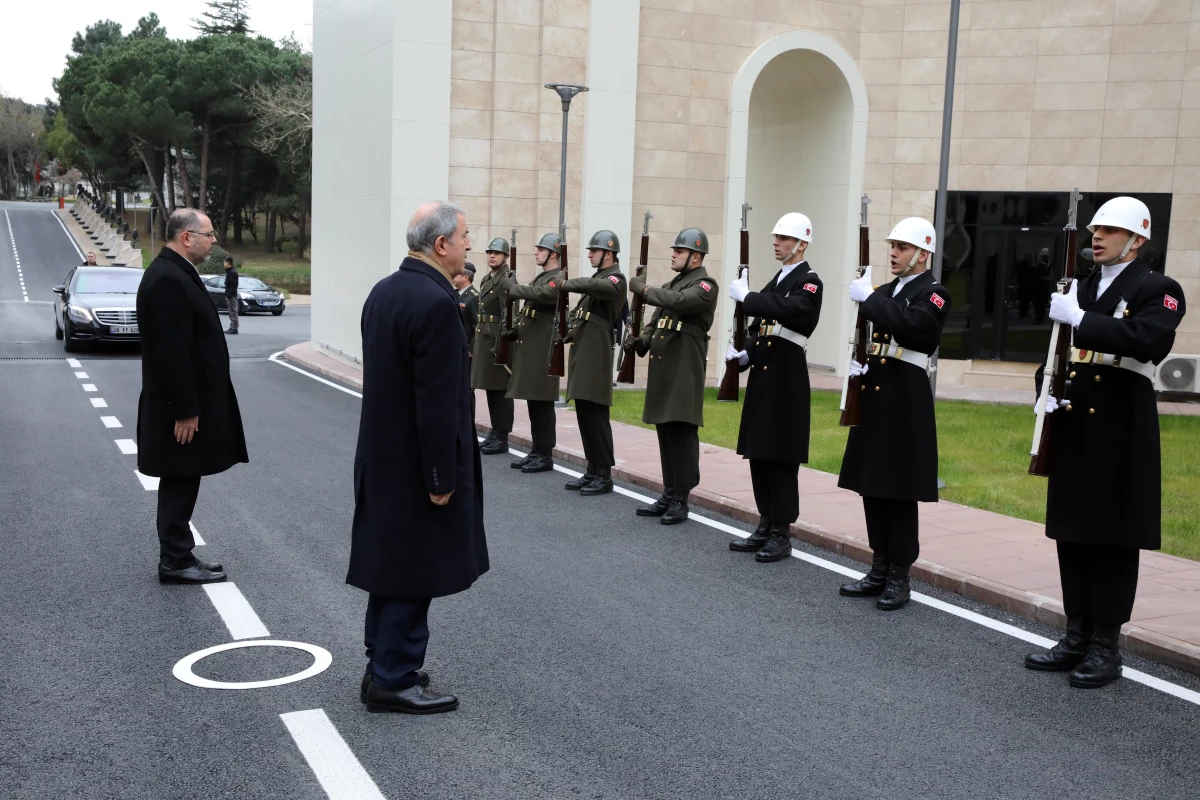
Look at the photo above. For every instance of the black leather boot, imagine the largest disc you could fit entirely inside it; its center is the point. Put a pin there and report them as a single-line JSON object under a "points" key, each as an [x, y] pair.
{"points": [[778, 546], [583, 480], [601, 483], [521, 462], [678, 512], [1102, 664], [754, 542], [496, 446], [871, 584], [897, 591], [658, 507], [538, 463], [1069, 651]]}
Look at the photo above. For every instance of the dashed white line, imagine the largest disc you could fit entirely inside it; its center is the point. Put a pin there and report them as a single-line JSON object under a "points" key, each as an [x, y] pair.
{"points": [[73, 363], [239, 617], [89, 387], [150, 484], [111, 422], [99, 402], [128, 447], [196, 535], [17, 256], [81, 375], [330, 758]]}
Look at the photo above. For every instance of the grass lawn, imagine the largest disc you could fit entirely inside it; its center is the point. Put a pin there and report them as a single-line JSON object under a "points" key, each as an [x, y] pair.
{"points": [[278, 270], [984, 456]]}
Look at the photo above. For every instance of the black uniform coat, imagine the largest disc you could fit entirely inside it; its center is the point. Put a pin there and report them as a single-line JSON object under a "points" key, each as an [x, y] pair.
{"points": [[492, 301], [893, 453], [535, 333], [468, 304], [185, 374], [777, 408], [1105, 472], [416, 437], [590, 363]]}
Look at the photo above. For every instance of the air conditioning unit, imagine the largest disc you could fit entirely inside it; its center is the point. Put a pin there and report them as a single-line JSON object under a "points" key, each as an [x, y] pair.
{"points": [[1178, 374]]}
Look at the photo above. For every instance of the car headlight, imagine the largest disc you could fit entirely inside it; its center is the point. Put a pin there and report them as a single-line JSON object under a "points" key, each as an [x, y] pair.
{"points": [[245, 295], [79, 313]]}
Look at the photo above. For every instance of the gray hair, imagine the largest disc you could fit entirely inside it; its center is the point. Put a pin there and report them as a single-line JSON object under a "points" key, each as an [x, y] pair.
{"points": [[441, 221], [184, 219]]}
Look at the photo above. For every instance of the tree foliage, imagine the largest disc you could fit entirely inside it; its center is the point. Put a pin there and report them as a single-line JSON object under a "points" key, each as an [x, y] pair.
{"points": [[224, 17]]}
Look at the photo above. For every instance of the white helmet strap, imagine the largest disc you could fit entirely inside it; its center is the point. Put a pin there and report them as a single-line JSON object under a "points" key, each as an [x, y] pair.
{"points": [[911, 264], [1128, 247], [795, 249]]}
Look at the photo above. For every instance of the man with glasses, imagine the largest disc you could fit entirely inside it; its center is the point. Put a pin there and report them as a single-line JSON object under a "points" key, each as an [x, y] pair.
{"points": [[185, 381]]}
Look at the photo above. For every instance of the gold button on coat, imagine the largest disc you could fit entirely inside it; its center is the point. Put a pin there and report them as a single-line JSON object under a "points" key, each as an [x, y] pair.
{"points": [[1068, 408], [883, 360], [877, 388], [1097, 379], [1072, 375], [1091, 411]]}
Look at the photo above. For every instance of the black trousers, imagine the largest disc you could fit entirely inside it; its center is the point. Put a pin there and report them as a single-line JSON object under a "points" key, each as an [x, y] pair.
{"points": [[776, 490], [176, 502], [1099, 582], [596, 432], [541, 424], [892, 529], [500, 410], [679, 454], [396, 635]]}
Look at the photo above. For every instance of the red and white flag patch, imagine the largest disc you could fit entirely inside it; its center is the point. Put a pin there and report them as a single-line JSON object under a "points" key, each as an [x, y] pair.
{"points": [[810, 287], [1170, 302], [614, 279], [706, 286], [937, 300], [551, 284]]}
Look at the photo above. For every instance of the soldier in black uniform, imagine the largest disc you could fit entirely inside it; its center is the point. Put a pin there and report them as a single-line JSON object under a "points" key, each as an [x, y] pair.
{"points": [[1104, 501], [891, 458], [468, 302], [777, 409]]}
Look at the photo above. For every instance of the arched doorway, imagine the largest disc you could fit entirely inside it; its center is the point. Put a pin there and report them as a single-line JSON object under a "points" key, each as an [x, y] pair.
{"points": [[797, 142]]}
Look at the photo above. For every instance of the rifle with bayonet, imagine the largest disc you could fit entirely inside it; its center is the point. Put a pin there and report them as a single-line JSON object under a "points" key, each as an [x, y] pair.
{"points": [[558, 348], [637, 308], [503, 351], [731, 382], [852, 385]]}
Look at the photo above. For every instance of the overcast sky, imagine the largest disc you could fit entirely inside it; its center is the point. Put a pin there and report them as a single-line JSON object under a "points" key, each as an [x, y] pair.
{"points": [[35, 37]]}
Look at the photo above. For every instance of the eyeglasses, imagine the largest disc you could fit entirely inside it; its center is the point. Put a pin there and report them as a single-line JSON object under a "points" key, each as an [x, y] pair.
{"points": [[209, 234]]}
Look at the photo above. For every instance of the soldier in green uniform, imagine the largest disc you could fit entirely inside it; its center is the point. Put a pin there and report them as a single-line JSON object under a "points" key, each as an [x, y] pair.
{"points": [[590, 365], [677, 342], [485, 374], [468, 302], [533, 336]]}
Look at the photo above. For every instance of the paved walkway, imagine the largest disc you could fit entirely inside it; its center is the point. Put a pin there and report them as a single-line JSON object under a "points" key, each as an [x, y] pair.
{"points": [[1000, 560]]}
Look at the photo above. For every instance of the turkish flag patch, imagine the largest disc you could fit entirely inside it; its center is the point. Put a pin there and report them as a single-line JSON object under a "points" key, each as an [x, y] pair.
{"points": [[937, 300], [1170, 302], [551, 284], [706, 286], [614, 279], [810, 287]]}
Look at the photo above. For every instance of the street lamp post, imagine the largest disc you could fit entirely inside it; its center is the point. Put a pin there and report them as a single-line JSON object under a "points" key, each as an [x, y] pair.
{"points": [[567, 92]]}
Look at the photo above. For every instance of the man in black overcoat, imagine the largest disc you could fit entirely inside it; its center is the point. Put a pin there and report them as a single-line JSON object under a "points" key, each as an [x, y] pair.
{"points": [[1104, 501], [188, 424], [891, 458], [418, 512], [777, 409]]}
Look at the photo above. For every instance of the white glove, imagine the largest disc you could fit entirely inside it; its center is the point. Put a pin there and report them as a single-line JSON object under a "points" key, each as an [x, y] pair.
{"points": [[860, 288], [1051, 405], [743, 358], [857, 368], [1065, 307], [739, 288]]}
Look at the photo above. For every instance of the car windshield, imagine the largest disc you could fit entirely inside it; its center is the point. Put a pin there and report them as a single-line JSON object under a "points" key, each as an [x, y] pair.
{"points": [[109, 282], [251, 283]]}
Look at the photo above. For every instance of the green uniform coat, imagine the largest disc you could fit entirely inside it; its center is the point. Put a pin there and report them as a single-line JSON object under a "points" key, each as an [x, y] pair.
{"points": [[590, 364], [678, 358], [492, 299], [535, 334]]}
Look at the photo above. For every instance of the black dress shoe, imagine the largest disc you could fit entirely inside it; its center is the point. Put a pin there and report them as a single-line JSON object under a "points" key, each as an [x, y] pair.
{"points": [[601, 484], [1068, 653], [1102, 664], [578, 483], [539, 463], [413, 700], [778, 546], [232, 331], [209, 567], [495, 446], [521, 462], [897, 592], [422, 680], [754, 542], [193, 574], [678, 512], [658, 507], [871, 584]]}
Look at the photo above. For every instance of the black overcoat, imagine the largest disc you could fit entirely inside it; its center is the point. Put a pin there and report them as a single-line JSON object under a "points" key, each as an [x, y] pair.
{"points": [[416, 437], [185, 373], [776, 412], [1105, 466], [893, 453]]}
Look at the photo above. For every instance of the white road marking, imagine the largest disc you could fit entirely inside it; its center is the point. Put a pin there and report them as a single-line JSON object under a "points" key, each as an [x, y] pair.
{"points": [[81, 375], [196, 535], [235, 610], [128, 447], [12, 239], [183, 668], [318, 378], [70, 238], [335, 765], [150, 484], [89, 387], [111, 422], [99, 402], [73, 363]]}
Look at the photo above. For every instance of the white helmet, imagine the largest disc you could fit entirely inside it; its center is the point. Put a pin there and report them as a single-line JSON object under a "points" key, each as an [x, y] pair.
{"points": [[794, 225], [915, 231], [1127, 213]]}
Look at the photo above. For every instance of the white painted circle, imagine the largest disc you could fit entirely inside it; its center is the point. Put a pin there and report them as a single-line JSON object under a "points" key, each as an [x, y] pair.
{"points": [[183, 668]]}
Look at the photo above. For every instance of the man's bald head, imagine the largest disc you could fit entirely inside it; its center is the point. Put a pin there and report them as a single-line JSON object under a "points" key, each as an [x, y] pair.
{"points": [[439, 230]]}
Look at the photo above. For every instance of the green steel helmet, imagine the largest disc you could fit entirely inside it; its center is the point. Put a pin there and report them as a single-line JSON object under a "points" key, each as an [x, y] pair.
{"points": [[498, 245], [550, 241], [692, 239], [605, 240]]}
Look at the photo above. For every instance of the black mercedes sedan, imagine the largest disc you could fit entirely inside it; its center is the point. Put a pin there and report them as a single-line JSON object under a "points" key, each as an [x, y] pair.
{"points": [[97, 304], [253, 295]]}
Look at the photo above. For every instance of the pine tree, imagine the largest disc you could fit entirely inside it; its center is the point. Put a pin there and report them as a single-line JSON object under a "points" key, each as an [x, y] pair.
{"points": [[224, 17]]}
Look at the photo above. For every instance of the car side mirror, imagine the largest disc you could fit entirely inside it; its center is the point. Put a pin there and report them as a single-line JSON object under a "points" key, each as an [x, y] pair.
{"points": [[59, 289]]}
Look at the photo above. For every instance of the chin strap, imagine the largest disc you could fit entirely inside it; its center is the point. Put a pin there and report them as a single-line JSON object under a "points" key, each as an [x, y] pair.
{"points": [[1128, 246], [911, 264]]}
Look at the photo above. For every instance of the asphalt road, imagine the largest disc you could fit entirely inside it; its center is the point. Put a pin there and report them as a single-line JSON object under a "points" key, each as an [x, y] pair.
{"points": [[603, 656]]}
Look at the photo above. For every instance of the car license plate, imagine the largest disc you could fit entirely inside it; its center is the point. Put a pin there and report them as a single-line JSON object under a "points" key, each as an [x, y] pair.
{"points": [[123, 329], [268, 302]]}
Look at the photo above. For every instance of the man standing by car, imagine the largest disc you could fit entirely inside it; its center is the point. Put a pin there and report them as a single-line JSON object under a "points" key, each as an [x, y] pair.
{"points": [[231, 294], [185, 380]]}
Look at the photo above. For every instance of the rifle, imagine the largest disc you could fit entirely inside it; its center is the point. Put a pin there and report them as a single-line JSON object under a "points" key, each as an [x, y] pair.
{"points": [[637, 308], [558, 348], [852, 387], [1054, 378], [503, 351], [731, 383]]}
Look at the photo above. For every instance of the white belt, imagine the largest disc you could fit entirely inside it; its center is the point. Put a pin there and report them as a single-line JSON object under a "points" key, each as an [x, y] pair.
{"points": [[893, 350], [1143, 368], [775, 329]]}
